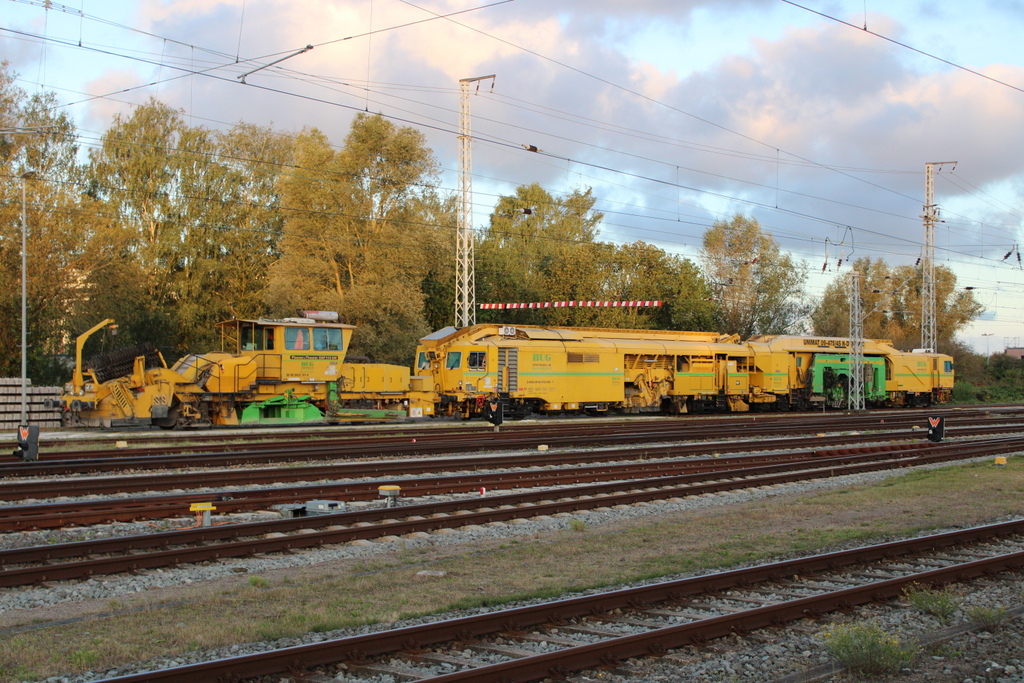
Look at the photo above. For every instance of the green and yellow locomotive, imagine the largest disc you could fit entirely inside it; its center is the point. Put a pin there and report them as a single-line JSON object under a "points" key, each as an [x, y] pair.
{"points": [[576, 370]]}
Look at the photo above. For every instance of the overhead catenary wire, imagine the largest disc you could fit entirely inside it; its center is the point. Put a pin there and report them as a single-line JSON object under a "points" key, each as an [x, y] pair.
{"points": [[760, 205], [695, 189]]}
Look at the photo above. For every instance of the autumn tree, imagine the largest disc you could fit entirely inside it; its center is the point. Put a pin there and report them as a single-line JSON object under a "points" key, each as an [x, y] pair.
{"points": [[59, 226], [758, 288], [357, 221], [194, 217], [642, 271], [439, 248], [891, 304], [538, 247]]}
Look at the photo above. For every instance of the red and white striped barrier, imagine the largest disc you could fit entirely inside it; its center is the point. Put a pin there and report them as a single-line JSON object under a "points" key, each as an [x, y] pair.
{"points": [[575, 304]]}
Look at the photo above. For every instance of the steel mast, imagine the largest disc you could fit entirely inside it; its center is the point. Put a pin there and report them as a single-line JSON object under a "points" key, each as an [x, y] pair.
{"points": [[465, 266], [856, 397], [929, 338]]}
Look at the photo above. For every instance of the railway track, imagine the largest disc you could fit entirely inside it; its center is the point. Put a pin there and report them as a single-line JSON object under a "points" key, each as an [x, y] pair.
{"points": [[252, 448], [411, 446], [557, 638], [84, 559], [572, 468], [393, 472]]}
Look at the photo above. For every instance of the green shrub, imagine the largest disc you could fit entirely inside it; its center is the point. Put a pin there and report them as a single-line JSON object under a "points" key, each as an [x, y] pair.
{"points": [[258, 582], [867, 649], [577, 525], [940, 603], [987, 618]]}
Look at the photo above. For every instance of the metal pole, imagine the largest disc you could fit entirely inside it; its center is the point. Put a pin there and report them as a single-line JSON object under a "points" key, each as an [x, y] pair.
{"points": [[465, 259], [25, 177], [929, 333], [856, 396]]}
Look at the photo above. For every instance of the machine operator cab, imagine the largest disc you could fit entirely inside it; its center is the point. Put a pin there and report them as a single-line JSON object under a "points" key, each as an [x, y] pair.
{"points": [[309, 349]]}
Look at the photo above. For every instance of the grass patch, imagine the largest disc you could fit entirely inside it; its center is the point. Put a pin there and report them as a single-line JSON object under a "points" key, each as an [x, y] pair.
{"points": [[987, 618], [866, 648], [384, 588], [940, 603]]}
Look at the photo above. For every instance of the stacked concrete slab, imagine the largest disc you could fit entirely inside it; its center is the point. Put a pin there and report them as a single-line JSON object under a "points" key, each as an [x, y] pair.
{"points": [[10, 405]]}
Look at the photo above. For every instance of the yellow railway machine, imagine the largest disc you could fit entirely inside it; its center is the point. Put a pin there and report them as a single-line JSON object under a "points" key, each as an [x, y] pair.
{"points": [[268, 371]]}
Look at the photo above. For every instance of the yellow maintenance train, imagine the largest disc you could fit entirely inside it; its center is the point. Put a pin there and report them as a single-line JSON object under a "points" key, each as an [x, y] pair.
{"points": [[295, 370], [554, 370], [286, 371]]}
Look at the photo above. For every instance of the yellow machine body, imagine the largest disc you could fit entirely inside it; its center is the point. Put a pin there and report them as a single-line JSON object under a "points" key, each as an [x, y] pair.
{"points": [[554, 370], [267, 372]]}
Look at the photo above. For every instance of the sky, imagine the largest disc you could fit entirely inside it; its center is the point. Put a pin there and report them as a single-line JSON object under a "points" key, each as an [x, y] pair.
{"points": [[815, 117]]}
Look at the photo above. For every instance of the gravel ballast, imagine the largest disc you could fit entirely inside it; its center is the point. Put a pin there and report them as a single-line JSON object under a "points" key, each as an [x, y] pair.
{"points": [[969, 657]]}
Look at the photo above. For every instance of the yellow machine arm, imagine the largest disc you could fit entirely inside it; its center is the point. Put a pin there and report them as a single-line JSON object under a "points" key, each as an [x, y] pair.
{"points": [[78, 381]]}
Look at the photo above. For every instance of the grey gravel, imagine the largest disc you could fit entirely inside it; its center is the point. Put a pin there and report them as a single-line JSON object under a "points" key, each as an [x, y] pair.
{"points": [[762, 657]]}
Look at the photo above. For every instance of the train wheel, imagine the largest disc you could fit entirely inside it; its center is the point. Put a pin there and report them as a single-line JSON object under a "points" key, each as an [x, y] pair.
{"points": [[169, 422]]}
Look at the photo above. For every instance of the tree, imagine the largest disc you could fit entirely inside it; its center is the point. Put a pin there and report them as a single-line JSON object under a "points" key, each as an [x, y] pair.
{"points": [[642, 271], [356, 222], [538, 247], [59, 229], [759, 289], [195, 223], [891, 305], [438, 244]]}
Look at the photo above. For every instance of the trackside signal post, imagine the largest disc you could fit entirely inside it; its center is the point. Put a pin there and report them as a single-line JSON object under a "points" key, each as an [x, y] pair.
{"points": [[494, 413], [28, 443]]}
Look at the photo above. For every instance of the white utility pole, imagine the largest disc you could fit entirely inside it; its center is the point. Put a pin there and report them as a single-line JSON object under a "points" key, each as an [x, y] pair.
{"points": [[25, 177], [929, 339], [856, 397], [465, 265]]}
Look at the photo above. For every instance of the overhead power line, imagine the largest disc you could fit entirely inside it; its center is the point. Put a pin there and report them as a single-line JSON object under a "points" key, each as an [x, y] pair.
{"points": [[929, 55]]}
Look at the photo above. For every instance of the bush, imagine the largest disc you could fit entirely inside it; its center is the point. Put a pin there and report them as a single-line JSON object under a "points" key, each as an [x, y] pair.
{"points": [[867, 649], [987, 618], [940, 603]]}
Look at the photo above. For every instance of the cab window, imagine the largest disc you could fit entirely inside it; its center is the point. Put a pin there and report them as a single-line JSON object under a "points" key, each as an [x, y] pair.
{"points": [[477, 360], [296, 339], [422, 362], [252, 339], [454, 360], [327, 339], [947, 366]]}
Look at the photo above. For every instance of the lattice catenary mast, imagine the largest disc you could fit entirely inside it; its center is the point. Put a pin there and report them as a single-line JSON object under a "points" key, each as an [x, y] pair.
{"points": [[465, 266], [856, 397], [929, 339]]}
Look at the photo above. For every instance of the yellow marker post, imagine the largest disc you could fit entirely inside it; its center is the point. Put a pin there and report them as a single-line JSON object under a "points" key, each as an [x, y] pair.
{"points": [[202, 511], [390, 492]]}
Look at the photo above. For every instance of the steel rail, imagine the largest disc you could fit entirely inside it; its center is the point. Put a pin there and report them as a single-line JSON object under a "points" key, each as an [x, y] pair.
{"points": [[420, 518], [54, 487], [431, 441], [558, 664], [51, 515]]}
